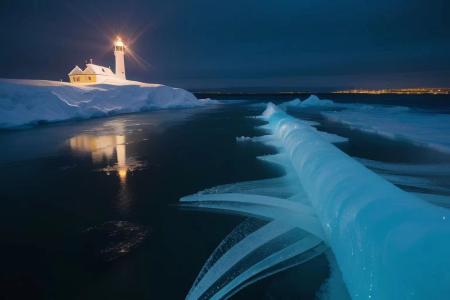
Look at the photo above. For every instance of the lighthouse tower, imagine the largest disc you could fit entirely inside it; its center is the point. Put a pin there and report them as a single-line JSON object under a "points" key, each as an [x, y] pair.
{"points": [[119, 53]]}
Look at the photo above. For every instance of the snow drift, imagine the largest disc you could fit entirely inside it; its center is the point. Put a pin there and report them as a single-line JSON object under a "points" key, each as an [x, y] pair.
{"points": [[25, 102]]}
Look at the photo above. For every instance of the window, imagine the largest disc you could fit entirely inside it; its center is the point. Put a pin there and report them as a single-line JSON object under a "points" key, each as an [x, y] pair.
{"points": [[89, 77]]}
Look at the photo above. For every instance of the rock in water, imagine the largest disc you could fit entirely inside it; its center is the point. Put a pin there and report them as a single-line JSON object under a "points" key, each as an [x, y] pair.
{"points": [[113, 239]]}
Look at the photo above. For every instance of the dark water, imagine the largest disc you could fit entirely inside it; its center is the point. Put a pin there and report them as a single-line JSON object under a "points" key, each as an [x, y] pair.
{"points": [[67, 188]]}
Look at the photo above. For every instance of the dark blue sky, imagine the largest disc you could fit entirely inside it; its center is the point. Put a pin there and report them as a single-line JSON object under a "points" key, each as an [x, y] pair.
{"points": [[284, 44]]}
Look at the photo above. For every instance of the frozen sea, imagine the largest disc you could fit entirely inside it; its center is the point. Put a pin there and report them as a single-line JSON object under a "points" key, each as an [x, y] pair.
{"points": [[89, 209]]}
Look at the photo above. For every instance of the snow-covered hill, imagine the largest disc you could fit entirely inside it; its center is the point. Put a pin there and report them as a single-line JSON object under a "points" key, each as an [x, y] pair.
{"points": [[24, 102]]}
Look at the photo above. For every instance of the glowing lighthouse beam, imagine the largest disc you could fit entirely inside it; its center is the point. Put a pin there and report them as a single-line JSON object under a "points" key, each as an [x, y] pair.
{"points": [[119, 53]]}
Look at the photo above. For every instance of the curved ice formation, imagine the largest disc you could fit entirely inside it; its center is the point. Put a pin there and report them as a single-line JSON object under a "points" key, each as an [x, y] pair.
{"points": [[25, 102], [304, 245], [296, 214], [238, 261], [252, 199], [279, 200], [238, 252], [387, 243], [281, 187]]}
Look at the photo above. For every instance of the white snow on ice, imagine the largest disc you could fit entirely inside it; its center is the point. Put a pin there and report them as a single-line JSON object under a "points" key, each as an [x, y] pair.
{"points": [[24, 102]]}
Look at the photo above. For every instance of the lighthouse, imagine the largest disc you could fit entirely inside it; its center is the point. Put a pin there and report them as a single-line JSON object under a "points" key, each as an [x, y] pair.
{"points": [[119, 53], [94, 74]]}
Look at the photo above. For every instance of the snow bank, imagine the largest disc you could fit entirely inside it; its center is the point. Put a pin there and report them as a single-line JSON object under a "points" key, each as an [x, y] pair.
{"points": [[388, 244], [25, 102]]}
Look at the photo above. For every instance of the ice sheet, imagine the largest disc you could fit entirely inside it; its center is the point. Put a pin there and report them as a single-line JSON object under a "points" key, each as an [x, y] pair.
{"points": [[430, 130]]}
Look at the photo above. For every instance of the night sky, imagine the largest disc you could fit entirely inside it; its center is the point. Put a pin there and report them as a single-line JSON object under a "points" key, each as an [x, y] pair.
{"points": [[253, 45]]}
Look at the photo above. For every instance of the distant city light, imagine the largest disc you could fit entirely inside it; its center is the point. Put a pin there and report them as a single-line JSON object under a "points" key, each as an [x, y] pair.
{"points": [[434, 91]]}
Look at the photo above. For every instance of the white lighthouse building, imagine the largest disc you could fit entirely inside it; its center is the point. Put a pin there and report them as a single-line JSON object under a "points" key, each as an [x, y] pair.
{"points": [[93, 73], [119, 53]]}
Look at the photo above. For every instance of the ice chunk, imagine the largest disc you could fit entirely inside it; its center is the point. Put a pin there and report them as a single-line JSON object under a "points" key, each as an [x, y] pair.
{"points": [[311, 101], [243, 139]]}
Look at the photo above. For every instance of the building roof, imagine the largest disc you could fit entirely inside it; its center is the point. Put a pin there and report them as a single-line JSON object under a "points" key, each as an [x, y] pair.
{"points": [[92, 69], [76, 71]]}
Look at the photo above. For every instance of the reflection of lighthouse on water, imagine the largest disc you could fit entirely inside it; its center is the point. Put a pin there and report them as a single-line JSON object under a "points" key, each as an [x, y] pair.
{"points": [[106, 149]]}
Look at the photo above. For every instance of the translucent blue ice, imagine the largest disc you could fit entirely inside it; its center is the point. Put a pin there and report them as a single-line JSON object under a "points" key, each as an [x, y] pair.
{"points": [[388, 243], [302, 246], [242, 249], [280, 201], [293, 213]]}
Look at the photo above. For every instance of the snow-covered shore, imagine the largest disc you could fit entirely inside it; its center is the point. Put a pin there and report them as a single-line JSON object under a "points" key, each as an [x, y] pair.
{"points": [[27, 102]]}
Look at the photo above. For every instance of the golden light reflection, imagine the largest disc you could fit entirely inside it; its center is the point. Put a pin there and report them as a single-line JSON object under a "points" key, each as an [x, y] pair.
{"points": [[103, 148]]}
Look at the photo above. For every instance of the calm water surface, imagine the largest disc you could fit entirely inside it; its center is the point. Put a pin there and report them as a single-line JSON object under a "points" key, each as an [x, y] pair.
{"points": [[60, 180]]}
